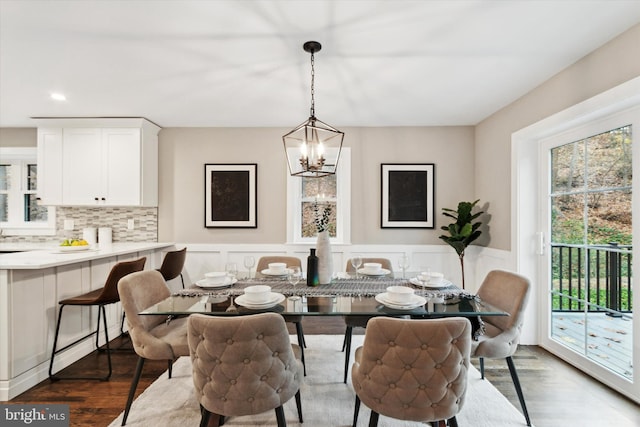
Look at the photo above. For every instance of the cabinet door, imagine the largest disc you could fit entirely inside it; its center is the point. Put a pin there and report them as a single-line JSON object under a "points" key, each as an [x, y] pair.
{"points": [[50, 166], [82, 166], [122, 166]]}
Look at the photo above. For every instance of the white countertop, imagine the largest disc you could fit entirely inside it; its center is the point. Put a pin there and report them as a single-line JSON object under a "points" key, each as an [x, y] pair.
{"points": [[51, 257]]}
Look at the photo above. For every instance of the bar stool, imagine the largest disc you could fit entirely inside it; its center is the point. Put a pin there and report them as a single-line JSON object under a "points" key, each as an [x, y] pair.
{"points": [[108, 294], [172, 265]]}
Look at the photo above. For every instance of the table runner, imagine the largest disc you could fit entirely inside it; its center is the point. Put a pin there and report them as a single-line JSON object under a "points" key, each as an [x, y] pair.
{"points": [[362, 286]]}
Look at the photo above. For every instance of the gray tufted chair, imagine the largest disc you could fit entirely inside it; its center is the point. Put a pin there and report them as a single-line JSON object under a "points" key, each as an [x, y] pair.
{"points": [[357, 321], [153, 337], [413, 370], [291, 261], [509, 292], [243, 365]]}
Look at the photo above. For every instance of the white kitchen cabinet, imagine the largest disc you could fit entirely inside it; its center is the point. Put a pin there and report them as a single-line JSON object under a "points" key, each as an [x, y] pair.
{"points": [[50, 170], [104, 166]]}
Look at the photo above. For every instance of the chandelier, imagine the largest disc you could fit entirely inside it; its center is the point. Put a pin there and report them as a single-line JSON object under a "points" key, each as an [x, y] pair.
{"points": [[313, 147]]}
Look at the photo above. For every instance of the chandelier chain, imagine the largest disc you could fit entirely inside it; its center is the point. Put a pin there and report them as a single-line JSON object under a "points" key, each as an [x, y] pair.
{"points": [[313, 75]]}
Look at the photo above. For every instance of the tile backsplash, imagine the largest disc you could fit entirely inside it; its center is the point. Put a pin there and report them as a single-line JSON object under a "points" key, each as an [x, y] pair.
{"points": [[145, 224]]}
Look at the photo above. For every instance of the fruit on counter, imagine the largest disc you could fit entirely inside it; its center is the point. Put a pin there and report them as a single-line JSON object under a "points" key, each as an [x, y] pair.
{"points": [[74, 242]]}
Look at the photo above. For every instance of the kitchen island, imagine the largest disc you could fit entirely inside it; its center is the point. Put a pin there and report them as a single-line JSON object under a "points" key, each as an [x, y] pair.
{"points": [[32, 283]]}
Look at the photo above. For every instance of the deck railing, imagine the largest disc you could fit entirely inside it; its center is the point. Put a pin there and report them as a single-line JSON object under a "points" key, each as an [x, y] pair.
{"points": [[599, 274]]}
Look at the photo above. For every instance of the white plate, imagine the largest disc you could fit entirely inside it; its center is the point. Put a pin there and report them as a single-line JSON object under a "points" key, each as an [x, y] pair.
{"points": [[73, 248], [274, 298], [206, 283], [381, 272], [268, 272], [416, 301], [417, 282]]}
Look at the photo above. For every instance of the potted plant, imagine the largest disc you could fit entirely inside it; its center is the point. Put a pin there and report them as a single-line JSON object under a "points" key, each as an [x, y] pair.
{"points": [[463, 230]]}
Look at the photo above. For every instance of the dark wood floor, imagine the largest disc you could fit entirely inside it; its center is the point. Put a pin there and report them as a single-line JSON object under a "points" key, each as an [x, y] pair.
{"points": [[556, 393]]}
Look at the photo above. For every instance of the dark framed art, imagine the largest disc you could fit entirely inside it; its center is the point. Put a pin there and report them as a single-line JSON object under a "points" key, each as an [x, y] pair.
{"points": [[407, 199], [230, 195]]}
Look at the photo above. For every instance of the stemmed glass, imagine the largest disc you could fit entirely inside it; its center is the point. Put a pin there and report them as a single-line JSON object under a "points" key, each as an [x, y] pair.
{"points": [[356, 262], [293, 276], [404, 262], [232, 270], [249, 262]]}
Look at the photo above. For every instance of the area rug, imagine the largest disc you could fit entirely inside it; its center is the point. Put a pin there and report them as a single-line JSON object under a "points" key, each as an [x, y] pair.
{"points": [[326, 400]]}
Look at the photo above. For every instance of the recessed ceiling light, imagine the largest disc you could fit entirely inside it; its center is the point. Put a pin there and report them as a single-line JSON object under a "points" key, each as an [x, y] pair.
{"points": [[58, 97]]}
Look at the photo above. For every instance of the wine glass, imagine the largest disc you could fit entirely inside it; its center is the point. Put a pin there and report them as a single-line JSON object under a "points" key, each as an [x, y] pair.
{"points": [[232, 270], [293, 276], [404, 262], [249, 262], [356, 262]]}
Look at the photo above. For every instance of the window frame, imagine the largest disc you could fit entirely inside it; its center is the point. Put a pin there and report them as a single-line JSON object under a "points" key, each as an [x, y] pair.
{"points": [[343, 204], [19, 158]]}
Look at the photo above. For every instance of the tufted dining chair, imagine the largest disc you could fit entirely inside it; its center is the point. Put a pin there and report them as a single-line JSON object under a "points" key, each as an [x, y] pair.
{"points": [[243, 365], [291, 261], [358, 321], [153, 337], [413, 370], [508, 292]]}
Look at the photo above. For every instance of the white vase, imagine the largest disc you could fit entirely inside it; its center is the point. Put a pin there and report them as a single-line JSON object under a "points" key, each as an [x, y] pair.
{"points": [[325, 259]]}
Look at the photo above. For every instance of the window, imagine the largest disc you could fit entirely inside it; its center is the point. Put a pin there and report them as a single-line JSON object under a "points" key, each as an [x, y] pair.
{"points": [[20, 213], [333, 191]]}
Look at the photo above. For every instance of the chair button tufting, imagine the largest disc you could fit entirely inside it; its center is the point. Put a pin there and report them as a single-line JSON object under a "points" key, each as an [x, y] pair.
{"points": [[424, 346], [232, 382], [392, 343], [379, 362], [229, 341], [276, 353], [392, 385], [250, 399], [246, 361], [407, 367], [405, 406], [224, 399], [260, 336], [438, 366], [278, 390], [263, 378], [455, 340], [422, 387]]}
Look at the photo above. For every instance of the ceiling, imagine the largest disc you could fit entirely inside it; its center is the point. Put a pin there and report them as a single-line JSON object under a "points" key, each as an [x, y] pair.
{"points": [[241, 63]]}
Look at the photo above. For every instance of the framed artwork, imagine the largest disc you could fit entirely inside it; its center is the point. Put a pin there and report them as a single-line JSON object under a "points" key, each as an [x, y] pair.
{"points": [[407, 199], [230, 193]]}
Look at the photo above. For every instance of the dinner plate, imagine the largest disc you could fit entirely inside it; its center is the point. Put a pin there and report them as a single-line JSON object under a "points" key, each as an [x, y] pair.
{"points": [[381, 272], [417, 282], [416, 301], [207, 283], [274, 299], [268, 272]]}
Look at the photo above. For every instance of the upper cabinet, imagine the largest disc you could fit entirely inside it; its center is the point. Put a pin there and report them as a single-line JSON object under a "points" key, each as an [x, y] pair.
{"points": [[96, 165]]}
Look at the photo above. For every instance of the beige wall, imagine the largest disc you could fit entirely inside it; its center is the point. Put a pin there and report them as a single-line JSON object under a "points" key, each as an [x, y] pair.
{"points": [[18, 137], [184, 151], [609, 66]]}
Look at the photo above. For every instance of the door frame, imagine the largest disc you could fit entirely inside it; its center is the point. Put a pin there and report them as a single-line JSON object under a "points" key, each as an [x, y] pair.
{"points": [[527, 212]]}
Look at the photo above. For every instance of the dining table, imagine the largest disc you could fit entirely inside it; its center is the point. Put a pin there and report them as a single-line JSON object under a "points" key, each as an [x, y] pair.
{"points": [[346, 295]]}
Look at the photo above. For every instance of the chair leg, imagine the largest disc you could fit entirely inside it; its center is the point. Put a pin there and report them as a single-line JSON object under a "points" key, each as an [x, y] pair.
{"points": [[453, 422], [482, 367], [101, 313], [373, 419], [300, 335], [347, 353], [299, 405], [344, 341], [132, 389], [516, 383], [182, 279], [282, 422], [170, 367], [206, 415], [356, 411]]}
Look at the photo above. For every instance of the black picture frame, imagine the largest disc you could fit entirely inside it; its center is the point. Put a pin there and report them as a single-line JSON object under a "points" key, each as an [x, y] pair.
{"points": [[231, 195], [407, 195]]}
